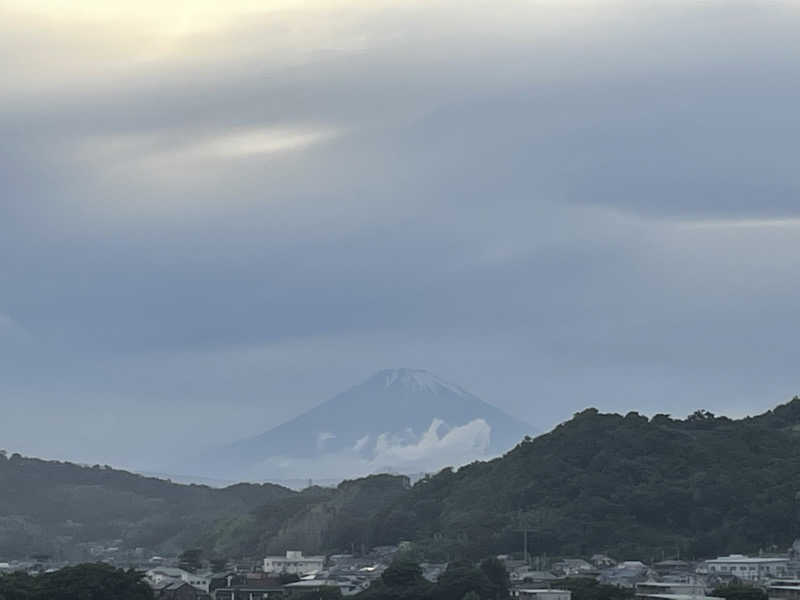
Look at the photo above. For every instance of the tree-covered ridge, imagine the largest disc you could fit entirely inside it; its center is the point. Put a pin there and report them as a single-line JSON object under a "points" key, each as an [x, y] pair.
{"points": [[317, 519], [627, 485], [630, 485], [52, 507]]}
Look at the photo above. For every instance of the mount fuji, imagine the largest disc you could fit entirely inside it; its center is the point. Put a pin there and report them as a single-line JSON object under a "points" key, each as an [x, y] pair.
{"points": [[398, 420]]}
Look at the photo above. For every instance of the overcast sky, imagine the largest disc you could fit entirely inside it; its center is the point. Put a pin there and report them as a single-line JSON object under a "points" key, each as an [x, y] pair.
{"points": [[217, 215]]}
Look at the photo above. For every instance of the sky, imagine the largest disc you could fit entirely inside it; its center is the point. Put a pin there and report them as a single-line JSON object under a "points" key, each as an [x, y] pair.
{"points": [[214, 216]]}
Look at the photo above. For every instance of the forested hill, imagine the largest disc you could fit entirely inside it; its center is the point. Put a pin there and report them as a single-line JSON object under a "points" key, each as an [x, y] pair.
{"points": [[627, 485], [631, 486], [53, 507]]}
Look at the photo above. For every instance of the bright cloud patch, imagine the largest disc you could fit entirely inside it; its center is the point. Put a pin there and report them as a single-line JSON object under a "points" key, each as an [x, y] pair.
{"points": [[261, 142], [438, 447], [433, 450]]}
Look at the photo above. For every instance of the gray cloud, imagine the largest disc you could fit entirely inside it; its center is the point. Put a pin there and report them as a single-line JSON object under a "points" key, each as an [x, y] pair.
{"points": [[555, 206]]}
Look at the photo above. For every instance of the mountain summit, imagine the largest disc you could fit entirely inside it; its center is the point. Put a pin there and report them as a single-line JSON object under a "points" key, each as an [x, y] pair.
{"points": [[403, 420]]}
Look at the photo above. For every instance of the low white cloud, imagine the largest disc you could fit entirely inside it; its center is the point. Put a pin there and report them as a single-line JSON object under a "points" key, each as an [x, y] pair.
{"points": [[434, 450], [438, 447], [324, 437], [361, 444], [11, 331]]}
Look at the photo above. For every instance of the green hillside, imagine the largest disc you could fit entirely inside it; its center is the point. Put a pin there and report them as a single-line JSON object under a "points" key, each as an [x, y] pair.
{"points": [[626, 485], [630, 486]]}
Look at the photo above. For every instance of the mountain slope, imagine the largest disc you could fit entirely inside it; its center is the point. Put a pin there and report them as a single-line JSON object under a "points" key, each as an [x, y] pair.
{"points": [[58, 508], [401, 419]]}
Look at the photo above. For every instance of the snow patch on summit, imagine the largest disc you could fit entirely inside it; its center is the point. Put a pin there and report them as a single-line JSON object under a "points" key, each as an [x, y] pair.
{"points": [[422, 381]]}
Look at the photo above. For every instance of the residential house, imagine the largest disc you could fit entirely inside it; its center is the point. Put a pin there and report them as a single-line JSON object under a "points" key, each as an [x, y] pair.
{"points": [[602, 561], [627, 574], [294, 563], [249, 591], [161, 575], [572, 567], [176, 590], [348, 588], [225, 579]]}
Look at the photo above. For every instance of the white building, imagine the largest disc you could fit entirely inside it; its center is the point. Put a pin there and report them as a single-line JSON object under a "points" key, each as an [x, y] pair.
{"points": [[544, 594], [294, 563], [747, 568]]}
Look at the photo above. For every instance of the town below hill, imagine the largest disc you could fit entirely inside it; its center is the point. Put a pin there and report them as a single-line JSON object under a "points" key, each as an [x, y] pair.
{"points": [[393, 573]]}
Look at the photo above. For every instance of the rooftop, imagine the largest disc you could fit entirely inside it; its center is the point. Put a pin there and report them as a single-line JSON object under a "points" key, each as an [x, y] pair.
{"points": [[680, 597], [666, 584], [741, 558], [785, 587]]}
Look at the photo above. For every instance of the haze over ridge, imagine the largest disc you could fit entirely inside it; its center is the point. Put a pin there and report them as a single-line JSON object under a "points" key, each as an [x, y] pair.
{"points": [[398, 420]]}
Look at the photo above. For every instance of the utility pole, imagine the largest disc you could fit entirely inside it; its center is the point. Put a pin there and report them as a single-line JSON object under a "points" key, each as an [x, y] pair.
{"points": [[524, 529], [525, 546]]}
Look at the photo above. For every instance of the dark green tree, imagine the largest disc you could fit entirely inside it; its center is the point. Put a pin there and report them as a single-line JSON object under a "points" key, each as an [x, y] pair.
{"points": [[191, 560], [402, 580], [402, 573], [82, 582], [460, 578], [496, 573]]}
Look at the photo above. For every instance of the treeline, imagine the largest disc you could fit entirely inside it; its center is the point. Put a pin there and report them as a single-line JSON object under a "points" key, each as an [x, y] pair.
{"points": [[465, 580], [462, 580], [83, 582]]}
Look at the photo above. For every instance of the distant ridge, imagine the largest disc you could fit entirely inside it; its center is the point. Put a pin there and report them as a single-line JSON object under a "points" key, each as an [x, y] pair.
{"points": [[399, 420], [53, 507]]}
